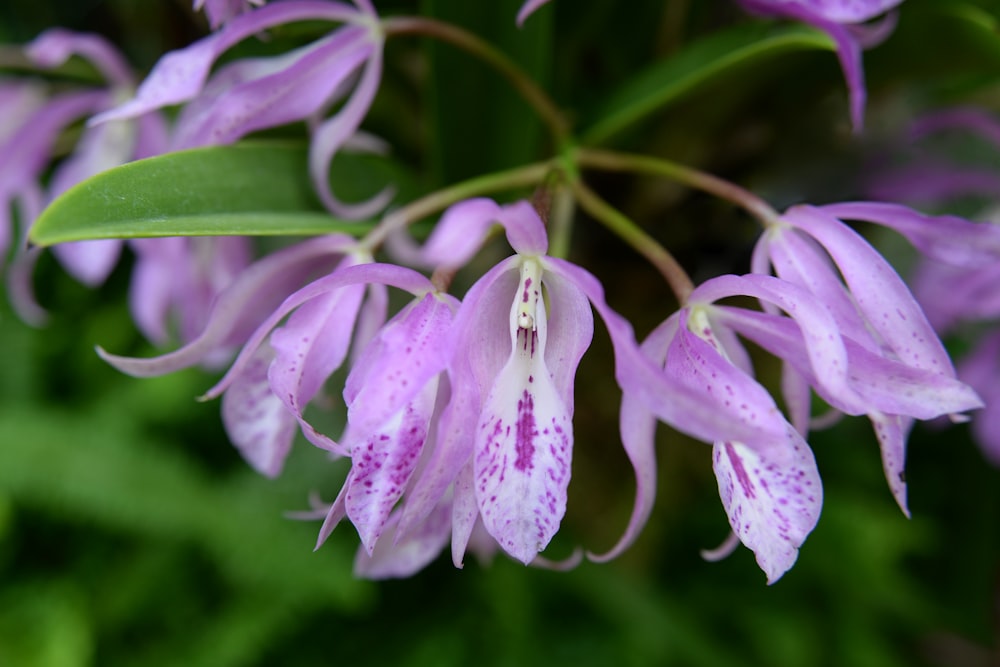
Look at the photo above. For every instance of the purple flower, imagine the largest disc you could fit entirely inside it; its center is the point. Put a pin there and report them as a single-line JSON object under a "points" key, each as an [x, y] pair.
{"points": [[889, 362], [771, 490], [504, 439], [252, 94], [841, 19], [32, 125]]}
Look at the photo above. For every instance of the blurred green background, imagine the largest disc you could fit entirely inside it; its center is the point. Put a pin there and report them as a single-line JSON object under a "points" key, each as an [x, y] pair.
{"points": [[132, 534]]}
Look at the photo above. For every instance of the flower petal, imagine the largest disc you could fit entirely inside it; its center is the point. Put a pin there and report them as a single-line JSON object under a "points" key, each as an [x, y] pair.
{"points": [[946, 238], [180, 75], [524, 444], [879, 292], [771, 507], [256, 421], [405, 355], [637, 426], [394, 558], [381, 466], [892, 431], [260, 286]]}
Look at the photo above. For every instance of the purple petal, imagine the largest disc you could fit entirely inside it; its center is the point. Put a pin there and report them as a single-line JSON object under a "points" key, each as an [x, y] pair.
{"points": [[798, 259], [467, 529], [310, 347], [771, 507], [892, 431], [405, 355], [54, 47], [394, 558], [333, 133], [382, 464], [255, 94], [265, 282], [570, 332], [638, 430], [257, 422], [525, 229], [460, 232], [944, 238], [700, 367], [180, 75], [879, 292], [525, 441]]}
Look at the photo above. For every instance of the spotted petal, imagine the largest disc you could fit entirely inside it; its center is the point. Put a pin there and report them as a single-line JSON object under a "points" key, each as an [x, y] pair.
{"points": [[771, 507], [524, 446]]}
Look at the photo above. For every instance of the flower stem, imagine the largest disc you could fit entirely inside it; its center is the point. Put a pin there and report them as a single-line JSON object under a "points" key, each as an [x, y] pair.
{"points": [[640, 241], [524, 176], [614, 161], [531, 92]]}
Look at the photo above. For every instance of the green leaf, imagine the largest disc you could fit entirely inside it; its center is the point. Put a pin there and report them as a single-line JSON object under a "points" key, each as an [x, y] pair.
{"points": [[252, 189], [704, 61]]}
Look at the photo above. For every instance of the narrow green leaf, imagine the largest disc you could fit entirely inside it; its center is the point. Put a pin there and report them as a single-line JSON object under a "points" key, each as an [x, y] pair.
{"points": [[719, 54], [245, 189]]}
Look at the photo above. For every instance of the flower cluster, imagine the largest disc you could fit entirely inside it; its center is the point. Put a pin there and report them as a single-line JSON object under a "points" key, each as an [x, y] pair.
{"points": [[459, 408]]}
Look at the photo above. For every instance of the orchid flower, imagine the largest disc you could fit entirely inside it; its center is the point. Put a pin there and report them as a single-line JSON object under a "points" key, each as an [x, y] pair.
{"points": [[878, 319], [26, 153], [252, 94], [772, 493], [504, 439], [842, 20], [956, 279]]}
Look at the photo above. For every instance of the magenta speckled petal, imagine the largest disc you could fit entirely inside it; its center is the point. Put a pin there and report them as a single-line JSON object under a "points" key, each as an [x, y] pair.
{"points": [[524, 444], [382, 463], [771, 507]]}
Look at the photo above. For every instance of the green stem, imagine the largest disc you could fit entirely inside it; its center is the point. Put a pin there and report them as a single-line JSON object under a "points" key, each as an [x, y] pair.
{"points": [[640, 241], [532, 93], [528, 175], [614, 161], [561, 220]]}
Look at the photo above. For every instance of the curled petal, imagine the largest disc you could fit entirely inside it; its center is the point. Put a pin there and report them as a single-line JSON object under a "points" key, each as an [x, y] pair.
{"points": [[264, 283], [638, 429], [180, 75], [683, 406], [945, 238], [771, 507], [333, 133], [54, 47], [254, 94]]}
